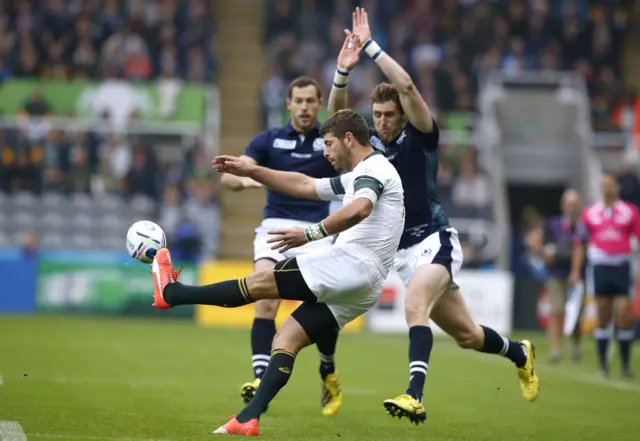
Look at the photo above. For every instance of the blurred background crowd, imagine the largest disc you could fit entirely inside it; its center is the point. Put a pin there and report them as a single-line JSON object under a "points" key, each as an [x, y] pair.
{"points": [[114, 44], [445, 45]]}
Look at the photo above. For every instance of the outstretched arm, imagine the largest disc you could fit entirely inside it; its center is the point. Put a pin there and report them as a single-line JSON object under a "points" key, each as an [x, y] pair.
{"points": [[416, 110], [237, 183], [290, 183]]}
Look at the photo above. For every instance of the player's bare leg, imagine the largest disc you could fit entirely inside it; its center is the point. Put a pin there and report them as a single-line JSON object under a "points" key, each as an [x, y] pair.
{"points": [[289, 340], [426, 287], [452, 315], [625, 333], [263, 331], [602, 334]]}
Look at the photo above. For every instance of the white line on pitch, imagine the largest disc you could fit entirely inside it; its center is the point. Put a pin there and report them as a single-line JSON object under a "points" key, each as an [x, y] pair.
{"points": [[1, 380], [107, 438]]}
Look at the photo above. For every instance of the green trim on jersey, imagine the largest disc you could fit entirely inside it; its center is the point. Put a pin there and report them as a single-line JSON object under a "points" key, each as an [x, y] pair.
{"points": [[373, 153], [370, 182], [336, 185], [438, 218]]}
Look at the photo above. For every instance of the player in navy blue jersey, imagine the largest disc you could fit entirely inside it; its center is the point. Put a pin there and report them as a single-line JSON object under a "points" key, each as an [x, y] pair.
{"points": [[298, 146], [429, 255]]}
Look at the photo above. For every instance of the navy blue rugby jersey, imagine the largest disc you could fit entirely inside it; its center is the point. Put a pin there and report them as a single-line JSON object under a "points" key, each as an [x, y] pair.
{"points": [[287, 150], [415, 155]]}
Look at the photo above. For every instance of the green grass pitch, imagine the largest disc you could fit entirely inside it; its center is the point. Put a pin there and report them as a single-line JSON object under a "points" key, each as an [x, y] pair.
{"points": [[66, 378]]}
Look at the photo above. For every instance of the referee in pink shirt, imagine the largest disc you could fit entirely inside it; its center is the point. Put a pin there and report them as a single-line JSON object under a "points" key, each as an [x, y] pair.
{"points": [[605, 231]]}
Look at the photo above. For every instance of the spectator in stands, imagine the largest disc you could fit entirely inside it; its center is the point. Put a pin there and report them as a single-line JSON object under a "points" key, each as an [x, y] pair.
{"points": [[471, 188], [628, 179]]}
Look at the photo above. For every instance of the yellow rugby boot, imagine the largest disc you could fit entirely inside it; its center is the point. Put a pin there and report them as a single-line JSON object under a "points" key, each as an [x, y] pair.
{"points": [[248, 390], [406, 406], [529, 381], [331, 395]]}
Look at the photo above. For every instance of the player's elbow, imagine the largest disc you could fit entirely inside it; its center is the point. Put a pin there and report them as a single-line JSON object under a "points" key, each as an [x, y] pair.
{"points": [[362, 210], [405, 85]]}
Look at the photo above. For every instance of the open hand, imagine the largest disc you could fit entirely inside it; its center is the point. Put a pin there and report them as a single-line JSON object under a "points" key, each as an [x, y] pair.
{"points": [[232, 165], [287, 238], [350, 53], [361, 30]]}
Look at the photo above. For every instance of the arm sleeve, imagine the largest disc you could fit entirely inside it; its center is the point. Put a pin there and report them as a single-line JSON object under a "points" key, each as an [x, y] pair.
{"points": [[368, 184], [258, 148], [332, 189]]}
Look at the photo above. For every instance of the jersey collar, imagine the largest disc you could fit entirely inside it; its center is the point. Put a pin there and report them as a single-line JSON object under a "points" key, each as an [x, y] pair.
{"points": [[291, 131], [373, 153]]}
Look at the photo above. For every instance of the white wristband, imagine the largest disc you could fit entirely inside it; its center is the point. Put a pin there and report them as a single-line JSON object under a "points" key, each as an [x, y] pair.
{"points": [[315, 232], [340, 78], [373, 49]]}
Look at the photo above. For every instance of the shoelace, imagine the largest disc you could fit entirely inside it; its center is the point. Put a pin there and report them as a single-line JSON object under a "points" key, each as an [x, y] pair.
{"points": [[175, 274]]}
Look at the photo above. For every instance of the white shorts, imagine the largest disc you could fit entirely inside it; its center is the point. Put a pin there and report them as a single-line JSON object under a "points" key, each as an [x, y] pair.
{"points": [[348, 278], [262, 249], [441, 247]]}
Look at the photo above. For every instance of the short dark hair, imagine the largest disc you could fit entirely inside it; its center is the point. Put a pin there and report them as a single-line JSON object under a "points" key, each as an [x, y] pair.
{"points": [[304, 81], [347, 121], [384, 92]]}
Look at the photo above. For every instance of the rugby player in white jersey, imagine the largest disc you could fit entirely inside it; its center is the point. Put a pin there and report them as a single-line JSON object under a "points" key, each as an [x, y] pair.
{"points": [[297, 146], [429, 255], [336, 284]]}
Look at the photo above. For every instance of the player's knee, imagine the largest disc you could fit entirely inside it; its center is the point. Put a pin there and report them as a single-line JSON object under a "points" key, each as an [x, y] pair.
{"points": [[290, 340], [262, 285], [267, 309]]}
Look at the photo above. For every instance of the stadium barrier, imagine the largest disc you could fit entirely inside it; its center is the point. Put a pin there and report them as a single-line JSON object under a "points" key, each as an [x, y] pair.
{"points": [[99, 283], [17, 295]]}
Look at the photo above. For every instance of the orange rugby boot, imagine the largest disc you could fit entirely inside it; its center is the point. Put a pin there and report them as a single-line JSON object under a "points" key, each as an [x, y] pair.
{"points": [[233, 427], [163, 274]]}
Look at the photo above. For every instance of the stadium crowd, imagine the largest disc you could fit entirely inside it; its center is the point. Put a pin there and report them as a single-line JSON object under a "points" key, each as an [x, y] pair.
{"points": [[446, 45], [165, 41]]}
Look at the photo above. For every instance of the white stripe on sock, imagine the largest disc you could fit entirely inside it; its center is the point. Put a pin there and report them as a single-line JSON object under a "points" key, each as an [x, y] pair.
{"points": [[625, 334], [260, 363], [601, 333], [418, 369], [261, 357], [505, 346], [419, 363], [325, 358]]}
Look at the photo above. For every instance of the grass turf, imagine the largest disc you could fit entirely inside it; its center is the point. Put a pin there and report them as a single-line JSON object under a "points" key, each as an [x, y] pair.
{"points": [[121, 379]]}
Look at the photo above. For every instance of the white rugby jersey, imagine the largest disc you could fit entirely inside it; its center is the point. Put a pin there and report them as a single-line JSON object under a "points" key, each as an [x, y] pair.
{"points": [[377, 180]]}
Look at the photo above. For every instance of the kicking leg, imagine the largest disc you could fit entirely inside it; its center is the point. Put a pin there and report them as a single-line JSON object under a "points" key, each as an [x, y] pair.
{"points": [[452, 315], [228, 294], [263, 331], [426, 287]]}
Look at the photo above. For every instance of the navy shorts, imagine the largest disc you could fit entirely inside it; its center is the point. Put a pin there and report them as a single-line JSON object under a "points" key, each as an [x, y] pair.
{"points": [[610, 280]]}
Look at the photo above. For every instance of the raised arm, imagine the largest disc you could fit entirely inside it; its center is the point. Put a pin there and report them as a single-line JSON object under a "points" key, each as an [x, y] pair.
{"points": [[347, 60], [290, 183], [416, 110]]}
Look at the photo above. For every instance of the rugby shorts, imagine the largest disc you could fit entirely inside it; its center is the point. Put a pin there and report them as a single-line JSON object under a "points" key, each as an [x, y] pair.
{"points": [[348, 278], [610, 280], [442, 248]]}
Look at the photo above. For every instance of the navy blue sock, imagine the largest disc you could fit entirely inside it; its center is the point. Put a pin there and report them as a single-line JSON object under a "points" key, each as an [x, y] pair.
{"points": [[602, 336], [494, 343], [262, 333], [420, 345], [275, 378], [625, 339]]}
